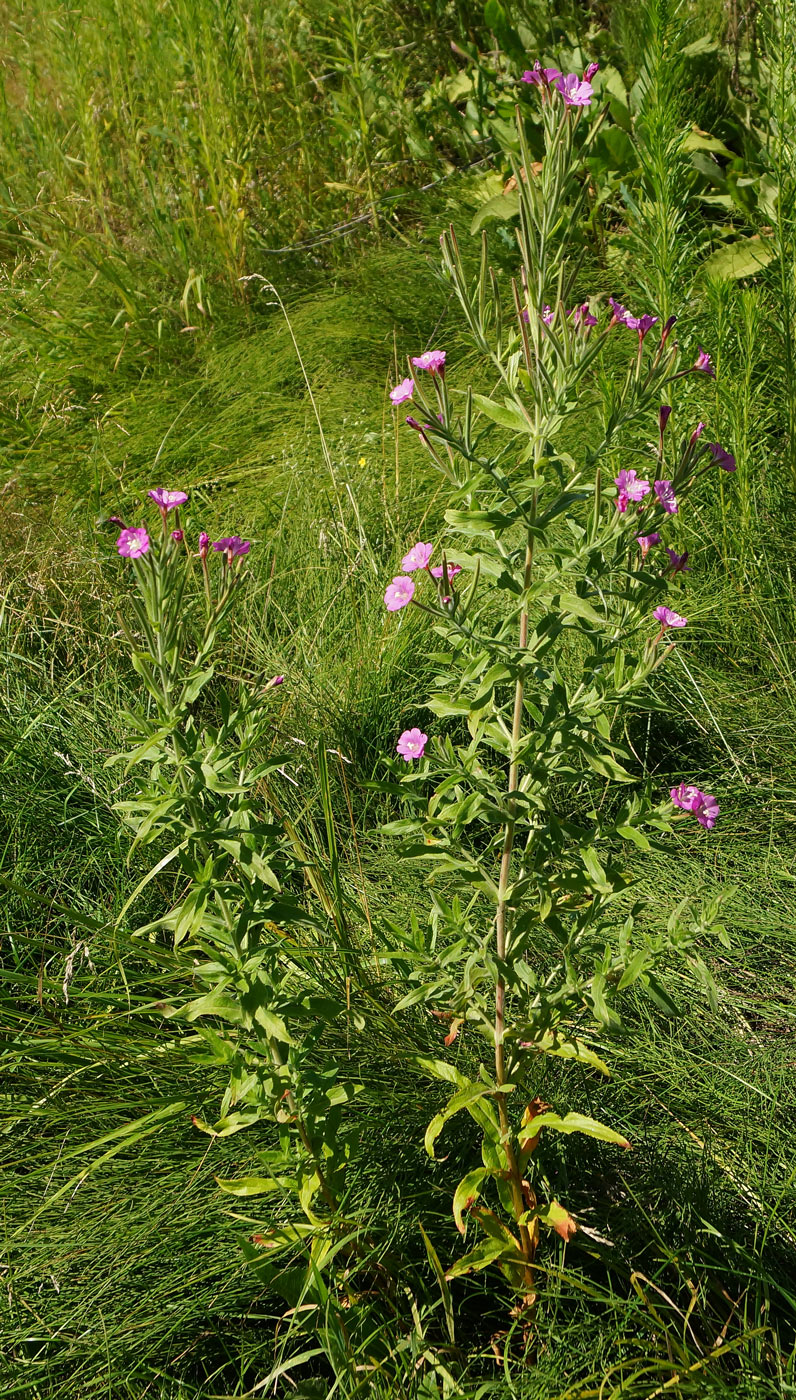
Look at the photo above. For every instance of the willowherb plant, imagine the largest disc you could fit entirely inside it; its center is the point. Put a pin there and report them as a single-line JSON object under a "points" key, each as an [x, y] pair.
{"points": [[554, 611], [250, 947]]}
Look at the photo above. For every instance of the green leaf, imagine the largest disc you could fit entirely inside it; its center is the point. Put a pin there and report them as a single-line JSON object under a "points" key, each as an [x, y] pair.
{"points": [[481, 1257], [505, 414], [574, 606], [743, 258], [551, 1043], [579, 1123], [467, 1193], [500, 206], [254, 1185], [464, 1099]]}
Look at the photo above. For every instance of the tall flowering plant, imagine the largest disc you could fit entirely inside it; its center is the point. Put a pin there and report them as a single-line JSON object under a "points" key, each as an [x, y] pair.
{"points": [[248, 945], [552, 600]]}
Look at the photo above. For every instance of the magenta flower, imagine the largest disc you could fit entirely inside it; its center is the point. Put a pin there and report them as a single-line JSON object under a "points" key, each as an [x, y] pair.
{"points": [[541, 77], [402, 392], [167, 500], [621, 316], [666, 497], [432, 360], [667, 618], [274, 681], [178, 535], [453, 570], [576, 92], [132, 543], [644, 324], [664, 414], [708, 811], [399, 593], [724, 459], [232, 546], [417, 558], [583, 316], [646, 542], [677, 562], [411, 744], [703, 804], [591, 69], [548, 316], [204, 544], [629, 488], [697, 433], [702, 363]]}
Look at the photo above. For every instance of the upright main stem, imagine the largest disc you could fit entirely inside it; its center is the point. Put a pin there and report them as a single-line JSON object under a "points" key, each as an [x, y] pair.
{"points": [[500, 930]]}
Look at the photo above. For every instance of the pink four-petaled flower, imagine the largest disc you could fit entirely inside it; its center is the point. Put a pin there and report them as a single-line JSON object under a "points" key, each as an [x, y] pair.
{"points": [[646, 542], [453, 570], [703, 364], [132, 543], [167, 500], [411, 744], [398, 593], [630, 488], [703, 804], [668, 618], [417, 558], [431, 360], [666, 497], [723, 459], [402, 392], [232, 546]]}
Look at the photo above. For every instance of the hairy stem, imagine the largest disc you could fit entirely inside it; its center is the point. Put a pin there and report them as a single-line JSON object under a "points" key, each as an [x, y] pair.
{"points": [[500, 929]]}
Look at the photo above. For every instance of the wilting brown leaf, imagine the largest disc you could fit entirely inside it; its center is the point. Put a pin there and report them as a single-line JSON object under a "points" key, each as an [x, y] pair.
{"points": [[454, 1030]]}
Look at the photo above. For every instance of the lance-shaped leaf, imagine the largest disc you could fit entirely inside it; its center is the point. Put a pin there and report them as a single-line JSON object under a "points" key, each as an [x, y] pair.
{"points": [[481, 1257], [555, 1217], [255, 1185], [579, 1123], [468, 1098], [566, 1048], [467, 1193]]}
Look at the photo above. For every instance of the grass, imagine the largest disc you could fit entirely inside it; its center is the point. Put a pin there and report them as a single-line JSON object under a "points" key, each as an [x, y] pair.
{"points": [[128, 339]]}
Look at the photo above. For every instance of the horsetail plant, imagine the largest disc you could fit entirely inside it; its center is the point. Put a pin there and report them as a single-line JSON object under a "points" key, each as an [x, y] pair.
{"points": [[552, 605]]}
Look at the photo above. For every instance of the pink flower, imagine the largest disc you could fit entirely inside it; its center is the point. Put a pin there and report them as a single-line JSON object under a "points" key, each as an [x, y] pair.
{"points": [[667, 618], [724, 459], [548, 316], [411, 744], [274, 681], [708, 811], [204, 544], [702, 363], [417, 558], [167, 500], [232, 546], [666, 497], [646, 542], [432, 360], [591, 69], [697, 433], [621, 315], [583, 316], [399, 593], [453, 570], [178, 535], [629, 488], [677, 562], [576, 92], [132, 543], [540, 76], [702, 804], [644, 324], [402, 392]]}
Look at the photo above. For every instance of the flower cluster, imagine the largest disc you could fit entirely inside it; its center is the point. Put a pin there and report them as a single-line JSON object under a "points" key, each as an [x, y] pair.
{"points": [[134, 541], [703, 805], [576, 92]]}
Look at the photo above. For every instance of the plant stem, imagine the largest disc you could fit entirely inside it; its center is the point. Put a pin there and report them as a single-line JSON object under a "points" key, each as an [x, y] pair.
{"points": [[500, 930], [326, 1191]]}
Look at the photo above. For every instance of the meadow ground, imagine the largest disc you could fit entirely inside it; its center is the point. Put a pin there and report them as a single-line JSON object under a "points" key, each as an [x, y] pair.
{"points": [[154, 158]]}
